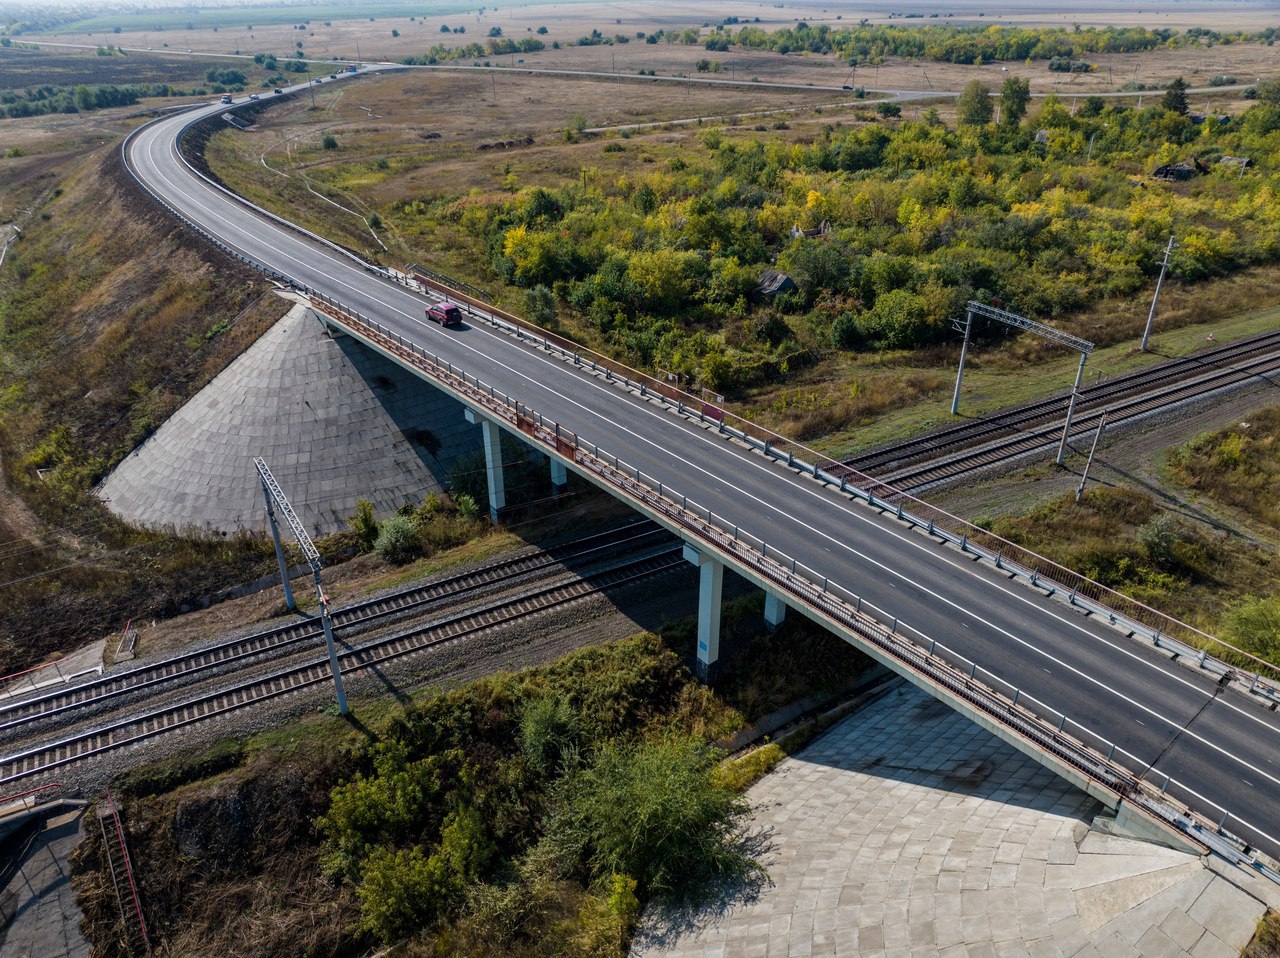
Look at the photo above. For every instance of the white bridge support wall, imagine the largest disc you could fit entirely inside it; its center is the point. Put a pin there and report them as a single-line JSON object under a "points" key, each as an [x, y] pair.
{"points": [[775, 610], [559, 476], [710, 587], [492, 436]]}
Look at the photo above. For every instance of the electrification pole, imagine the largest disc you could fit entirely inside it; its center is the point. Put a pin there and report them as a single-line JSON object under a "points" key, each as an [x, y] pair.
{"points": [[1084, 477], [964, 351], [1164, 265], [1071, 408], [271, 489]]}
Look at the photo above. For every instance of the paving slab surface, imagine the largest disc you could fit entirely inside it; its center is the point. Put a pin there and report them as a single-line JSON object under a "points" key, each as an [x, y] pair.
{"points": [[39, 917], [907, 830]]}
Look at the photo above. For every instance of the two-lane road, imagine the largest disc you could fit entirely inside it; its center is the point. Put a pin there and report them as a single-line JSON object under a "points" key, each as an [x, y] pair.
{"points": [[1229, 756]]}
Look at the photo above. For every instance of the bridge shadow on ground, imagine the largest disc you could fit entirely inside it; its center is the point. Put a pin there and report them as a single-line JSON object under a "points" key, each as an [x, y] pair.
{"points": [[903, 808]]}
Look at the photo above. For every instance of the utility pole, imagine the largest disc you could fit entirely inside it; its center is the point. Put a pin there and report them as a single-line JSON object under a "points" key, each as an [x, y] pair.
{"points": [[311, 85], [1084, 477], [1164, 265], [1071, 408], [964, 351], [273, 493]]}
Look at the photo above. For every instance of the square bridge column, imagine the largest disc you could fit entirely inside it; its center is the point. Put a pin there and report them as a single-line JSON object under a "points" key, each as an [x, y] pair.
{"points": [[492, 437], [775, 610], [559, 476], [710, 586]]}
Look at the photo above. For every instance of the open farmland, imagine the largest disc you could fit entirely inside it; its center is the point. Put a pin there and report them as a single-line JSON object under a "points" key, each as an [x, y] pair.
{"points": [[21, 68], [388, 32]]}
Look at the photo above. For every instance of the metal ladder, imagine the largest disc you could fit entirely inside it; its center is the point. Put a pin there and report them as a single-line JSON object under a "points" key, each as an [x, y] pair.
{"points": [[136, 939]]}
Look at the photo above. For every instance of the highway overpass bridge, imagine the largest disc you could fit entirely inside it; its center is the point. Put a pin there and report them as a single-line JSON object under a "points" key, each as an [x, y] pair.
{"points": [[1021, 647]]}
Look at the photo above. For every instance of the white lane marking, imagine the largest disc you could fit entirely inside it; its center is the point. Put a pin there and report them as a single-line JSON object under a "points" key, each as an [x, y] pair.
{"points": [[827, 500], [1207, 801], [892, 572]]}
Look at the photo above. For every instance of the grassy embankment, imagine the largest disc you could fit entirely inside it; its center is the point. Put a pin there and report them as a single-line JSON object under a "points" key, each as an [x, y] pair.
{"points": [[110, 318]]}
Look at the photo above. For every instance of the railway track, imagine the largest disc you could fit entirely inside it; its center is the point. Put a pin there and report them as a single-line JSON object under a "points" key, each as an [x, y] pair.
{"points": [[133, 729], [20, 713], [955, 451]]}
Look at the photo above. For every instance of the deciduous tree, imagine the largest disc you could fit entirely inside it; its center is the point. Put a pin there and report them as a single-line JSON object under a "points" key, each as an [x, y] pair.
{"points": [[1015, 94], [974, 108]]}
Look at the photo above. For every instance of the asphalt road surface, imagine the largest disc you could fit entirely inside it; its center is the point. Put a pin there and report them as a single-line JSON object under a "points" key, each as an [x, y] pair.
{"points": [[1227, 757]]}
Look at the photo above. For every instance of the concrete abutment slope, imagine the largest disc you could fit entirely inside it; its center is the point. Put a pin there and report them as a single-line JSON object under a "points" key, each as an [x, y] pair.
{"points": [[334, 421]]}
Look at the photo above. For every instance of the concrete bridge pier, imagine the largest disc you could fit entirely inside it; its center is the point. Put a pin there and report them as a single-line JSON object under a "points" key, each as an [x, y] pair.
{"points": [[710, 586], [559, 476], [775, 610], [492, 438]]}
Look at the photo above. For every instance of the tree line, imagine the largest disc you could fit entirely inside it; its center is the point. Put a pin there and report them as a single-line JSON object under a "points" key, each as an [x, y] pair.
{"points": [[969, 45], [46, 99], [1046, 213]]}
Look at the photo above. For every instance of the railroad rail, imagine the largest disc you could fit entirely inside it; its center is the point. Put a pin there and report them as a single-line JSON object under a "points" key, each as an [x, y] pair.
{"points": [[948, 453], [277, 640], [122, 733]]}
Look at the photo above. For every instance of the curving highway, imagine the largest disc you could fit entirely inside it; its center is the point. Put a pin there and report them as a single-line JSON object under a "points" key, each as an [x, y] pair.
{"points": [[1219, 749]]}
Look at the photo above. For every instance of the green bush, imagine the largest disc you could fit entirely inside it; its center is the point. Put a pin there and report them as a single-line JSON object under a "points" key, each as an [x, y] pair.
{"points": [[548, 733], [401, 891], [1254, 626], [650, 810], [467, 506], [397, 539], [364, 525]]}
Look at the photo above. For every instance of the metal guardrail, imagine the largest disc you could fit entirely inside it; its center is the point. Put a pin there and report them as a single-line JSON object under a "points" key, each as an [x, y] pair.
{"points": [[1067, 741], [37, 677], [1182, 641], [30, 798], [1166, 632]]}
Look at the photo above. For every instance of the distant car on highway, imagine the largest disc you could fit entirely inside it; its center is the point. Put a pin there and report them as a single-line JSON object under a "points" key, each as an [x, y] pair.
{"points": [[446, 314], [333, 76], [278, 92], [253, 96]]}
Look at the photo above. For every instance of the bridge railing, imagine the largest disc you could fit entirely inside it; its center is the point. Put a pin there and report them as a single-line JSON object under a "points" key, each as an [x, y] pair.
{"points": [[1258, 676], [1054, 733]]}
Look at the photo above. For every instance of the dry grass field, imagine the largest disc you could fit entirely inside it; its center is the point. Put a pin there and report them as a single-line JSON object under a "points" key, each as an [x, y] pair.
{"points": [[568, 21], [372, 40]]}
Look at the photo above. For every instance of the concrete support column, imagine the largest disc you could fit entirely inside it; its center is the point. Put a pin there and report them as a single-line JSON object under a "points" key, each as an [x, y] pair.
{"points": [[775, 610], [559, 476], [710, 586], [492, 437]]}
